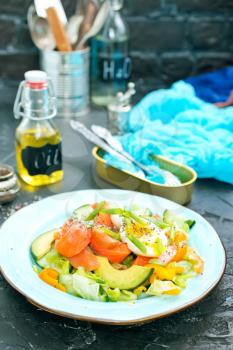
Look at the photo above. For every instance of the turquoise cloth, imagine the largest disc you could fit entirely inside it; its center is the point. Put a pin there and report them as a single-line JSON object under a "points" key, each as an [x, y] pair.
{"points": [[180, 126]]}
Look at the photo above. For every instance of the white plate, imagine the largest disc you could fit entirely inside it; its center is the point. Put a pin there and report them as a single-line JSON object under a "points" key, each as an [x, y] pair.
{"points": [[19, 230]]}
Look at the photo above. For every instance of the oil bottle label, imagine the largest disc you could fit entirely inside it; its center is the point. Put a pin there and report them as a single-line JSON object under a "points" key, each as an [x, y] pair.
{"points": [[42, 160], [115, 68]]}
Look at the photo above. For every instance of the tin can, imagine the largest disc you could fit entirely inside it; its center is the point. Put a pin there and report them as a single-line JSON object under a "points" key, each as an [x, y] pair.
{"points": [[181, 194], [69, 72]]}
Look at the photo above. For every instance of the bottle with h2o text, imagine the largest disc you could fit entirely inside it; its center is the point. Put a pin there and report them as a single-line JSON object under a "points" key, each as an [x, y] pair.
{"points": [[110, 61]]}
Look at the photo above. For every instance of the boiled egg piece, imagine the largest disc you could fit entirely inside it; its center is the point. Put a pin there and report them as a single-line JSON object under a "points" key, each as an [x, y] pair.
{"points": [[148, 235]]}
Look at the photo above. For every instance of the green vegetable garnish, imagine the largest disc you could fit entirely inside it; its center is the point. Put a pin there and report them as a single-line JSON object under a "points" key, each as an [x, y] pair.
{"points": [[128, 261], [172, 235], [96, 211], [160, 246], [190, 223], [126, 213], [157, 262], [113, 211], [137, 243], [111, 233]]}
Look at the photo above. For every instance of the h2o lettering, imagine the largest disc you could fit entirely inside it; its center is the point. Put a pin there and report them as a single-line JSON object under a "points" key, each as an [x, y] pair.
{"points": [[119, 69]]}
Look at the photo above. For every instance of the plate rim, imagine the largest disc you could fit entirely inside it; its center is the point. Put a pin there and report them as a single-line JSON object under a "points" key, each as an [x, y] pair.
{"points": [[141, 320]]}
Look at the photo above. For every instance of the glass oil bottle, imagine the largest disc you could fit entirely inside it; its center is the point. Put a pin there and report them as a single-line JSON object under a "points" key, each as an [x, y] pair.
{"points": [[38, 141], [110, 61]]}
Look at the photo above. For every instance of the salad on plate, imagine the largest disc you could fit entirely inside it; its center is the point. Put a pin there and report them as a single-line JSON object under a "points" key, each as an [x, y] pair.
{"points": [[104, 252]]}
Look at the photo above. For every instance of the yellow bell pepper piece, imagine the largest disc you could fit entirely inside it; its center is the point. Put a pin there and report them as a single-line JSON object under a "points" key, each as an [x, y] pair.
{"points": [[173, 291], [179, 269], [164, 273]]}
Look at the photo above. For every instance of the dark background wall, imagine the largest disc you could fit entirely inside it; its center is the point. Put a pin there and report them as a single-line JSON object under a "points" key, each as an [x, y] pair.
{"points": [[171, 39]]}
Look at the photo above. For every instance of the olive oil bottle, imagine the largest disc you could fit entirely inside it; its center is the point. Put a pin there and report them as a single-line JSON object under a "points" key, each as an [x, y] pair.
{"points": [[38, 141]]}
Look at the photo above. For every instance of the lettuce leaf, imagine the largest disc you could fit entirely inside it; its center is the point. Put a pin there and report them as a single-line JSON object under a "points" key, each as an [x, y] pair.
{"points": [[163, 287], [67, 281], [55, 261], [182, 279], [120, 295], [187, 266], [93, 276], [87, 288]]}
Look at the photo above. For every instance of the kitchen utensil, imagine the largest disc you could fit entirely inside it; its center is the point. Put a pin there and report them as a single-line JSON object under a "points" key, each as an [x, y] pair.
{"points": [[90, 9], [103, 133], [58, 30], [74, 22], [42, 5], [90, 136], [72, 28], [40, 31], [97, 24]]}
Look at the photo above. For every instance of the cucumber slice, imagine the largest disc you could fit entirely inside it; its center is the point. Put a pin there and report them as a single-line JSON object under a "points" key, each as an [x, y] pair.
{"points": [[82, 212], [42, 262], [170, 218], [42, 244]]}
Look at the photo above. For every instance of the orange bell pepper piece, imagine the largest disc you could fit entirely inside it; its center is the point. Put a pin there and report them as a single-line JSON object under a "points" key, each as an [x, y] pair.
{"points": [[61, 287], [180, 236], [50, 276], [195, 259], [51, 272], [47, 278], [181, 251]]}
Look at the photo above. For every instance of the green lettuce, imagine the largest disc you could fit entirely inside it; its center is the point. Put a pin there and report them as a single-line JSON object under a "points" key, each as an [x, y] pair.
{"points": [[67, 281], [89, 286], [158, 287], [180, 280], [120, 295], [55, 261]]}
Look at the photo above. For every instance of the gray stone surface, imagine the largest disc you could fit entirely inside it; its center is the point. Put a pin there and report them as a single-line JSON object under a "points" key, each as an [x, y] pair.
{"points": [[207, 325]]}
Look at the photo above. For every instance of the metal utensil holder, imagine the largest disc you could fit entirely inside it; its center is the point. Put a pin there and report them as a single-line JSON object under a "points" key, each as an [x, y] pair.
{"points": [[69, 72]]}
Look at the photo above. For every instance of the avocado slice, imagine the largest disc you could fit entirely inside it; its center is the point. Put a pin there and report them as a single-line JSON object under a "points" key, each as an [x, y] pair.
{"points": [[122, 279], [42, 244]]}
